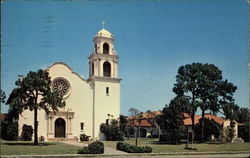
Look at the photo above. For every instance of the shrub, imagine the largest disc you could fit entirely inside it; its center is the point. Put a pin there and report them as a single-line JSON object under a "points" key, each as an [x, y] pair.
{"points": [[84, 150], [96, 148], [244, 132], [93, 148], [9, 130], [132, 148], [41, 138], [27, 132], [12, 131], [84, 137], [210, 128]]}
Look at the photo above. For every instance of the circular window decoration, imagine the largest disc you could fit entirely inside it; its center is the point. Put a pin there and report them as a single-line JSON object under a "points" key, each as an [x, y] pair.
{"points": [[61, 86]]}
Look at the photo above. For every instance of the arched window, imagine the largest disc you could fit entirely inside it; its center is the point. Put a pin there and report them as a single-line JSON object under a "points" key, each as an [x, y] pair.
{"points": [[107, 69], [95, 47], [107, 91], [105, 48], [93, 69]]}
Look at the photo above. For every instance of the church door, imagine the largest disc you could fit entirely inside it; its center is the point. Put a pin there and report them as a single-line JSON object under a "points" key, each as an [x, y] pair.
{"points": [[60, 128]]}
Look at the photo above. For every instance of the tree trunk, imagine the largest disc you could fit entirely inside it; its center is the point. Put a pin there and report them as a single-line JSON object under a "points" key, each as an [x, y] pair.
{"points": [[136, 137], [202, 126], [159, 134], [192, 118], [193, 113], [139, 132], [35, 127]]}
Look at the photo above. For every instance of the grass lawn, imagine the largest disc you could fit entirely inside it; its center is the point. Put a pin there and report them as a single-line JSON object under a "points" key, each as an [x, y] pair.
{"points": [[27, 148], [164, 148], [48, 148]]}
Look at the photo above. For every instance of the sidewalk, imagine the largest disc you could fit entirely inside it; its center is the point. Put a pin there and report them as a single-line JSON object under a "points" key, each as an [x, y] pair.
{"points": [[107, 150], [154, 155]]}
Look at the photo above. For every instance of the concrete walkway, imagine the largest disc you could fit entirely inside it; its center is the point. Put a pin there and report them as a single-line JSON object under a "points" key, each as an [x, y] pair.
{"points": [[107, 150]]}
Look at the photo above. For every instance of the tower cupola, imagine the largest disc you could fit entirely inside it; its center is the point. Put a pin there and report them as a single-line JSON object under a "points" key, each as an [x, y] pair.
{"points": [[103, 61]]}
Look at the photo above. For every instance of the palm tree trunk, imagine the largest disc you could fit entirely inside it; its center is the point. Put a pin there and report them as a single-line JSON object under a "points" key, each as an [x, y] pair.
{"points": [[35, 127]]}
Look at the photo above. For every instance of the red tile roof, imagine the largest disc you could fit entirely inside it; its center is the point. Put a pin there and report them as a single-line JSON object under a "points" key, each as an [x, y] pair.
{"points": [[188, 121], [146, 117], [2, 116]]}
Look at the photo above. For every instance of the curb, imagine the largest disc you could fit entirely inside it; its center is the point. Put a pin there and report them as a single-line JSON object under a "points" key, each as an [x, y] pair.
{"points": [[127, 155]]}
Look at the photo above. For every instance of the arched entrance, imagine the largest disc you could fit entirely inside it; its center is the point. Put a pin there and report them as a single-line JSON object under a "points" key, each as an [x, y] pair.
{"points": [[60, 128]]}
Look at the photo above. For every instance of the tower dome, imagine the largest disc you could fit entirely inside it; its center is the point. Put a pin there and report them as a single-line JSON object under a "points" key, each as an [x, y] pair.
{"points": [[104, 33]]}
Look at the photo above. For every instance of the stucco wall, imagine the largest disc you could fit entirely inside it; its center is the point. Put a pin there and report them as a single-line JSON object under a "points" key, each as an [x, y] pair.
{"points": [[106, 104], [79, 101]]}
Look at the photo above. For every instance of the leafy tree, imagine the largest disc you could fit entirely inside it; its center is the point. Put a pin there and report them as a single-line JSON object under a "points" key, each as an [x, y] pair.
{"points": [[2, 97], [226, 91], [112, 131], [136, 118], [207, 83], [9, 130], [244, 131], [211, 128], [243, 115], [187, 87], [230, 111], [123, 124], [171, 120], [203, 87], [9, 126], [133, 111], [33, 92]]}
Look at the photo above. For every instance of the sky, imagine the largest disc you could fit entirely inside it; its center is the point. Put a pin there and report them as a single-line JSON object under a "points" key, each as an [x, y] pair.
{"points": [[152, 38]]}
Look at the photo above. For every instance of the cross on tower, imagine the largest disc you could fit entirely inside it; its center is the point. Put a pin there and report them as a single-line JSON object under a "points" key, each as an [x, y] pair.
{"points": [[103, 24]]}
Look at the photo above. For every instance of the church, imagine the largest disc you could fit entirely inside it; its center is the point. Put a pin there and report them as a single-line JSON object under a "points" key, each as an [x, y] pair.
{"points": [[89, 102]]}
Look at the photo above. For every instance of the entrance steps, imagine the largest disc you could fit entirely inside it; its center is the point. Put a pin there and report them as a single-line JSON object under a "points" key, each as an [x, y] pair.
{"points": [[62, 139]]}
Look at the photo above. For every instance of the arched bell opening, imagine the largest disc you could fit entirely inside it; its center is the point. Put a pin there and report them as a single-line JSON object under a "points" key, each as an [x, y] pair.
{"points": [[105, 48], [106, 69]]}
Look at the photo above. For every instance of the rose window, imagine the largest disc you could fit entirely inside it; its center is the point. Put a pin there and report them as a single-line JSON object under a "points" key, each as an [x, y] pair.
{"points": [[60, 86]]}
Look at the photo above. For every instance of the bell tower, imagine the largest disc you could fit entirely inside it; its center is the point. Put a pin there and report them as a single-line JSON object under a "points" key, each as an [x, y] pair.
{"points": [[103, 78], [103, 62]]}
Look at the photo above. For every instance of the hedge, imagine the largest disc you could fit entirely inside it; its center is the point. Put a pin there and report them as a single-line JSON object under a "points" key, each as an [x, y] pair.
{"points": [[93, 148], [132, 148]]}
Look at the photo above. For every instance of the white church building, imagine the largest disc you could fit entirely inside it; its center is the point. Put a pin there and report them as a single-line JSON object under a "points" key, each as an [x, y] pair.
{"points": [[89, 102]]}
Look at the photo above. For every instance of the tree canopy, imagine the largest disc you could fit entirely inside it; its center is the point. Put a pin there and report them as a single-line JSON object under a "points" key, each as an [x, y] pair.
{"points": [[243, 115], [203, 87], [171, 120], [2, 96], [33, 93]]}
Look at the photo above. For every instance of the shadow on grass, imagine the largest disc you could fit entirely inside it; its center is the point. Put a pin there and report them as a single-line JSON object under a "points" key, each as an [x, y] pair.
{"points": [[168, 143], [26, 144], [185, 142], [216, 142]]}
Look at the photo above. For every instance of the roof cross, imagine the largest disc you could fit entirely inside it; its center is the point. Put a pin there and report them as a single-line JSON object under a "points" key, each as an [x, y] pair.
{"points": [[103, 24]]}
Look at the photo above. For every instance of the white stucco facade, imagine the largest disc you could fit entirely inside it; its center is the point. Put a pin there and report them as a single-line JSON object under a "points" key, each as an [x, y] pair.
{"points": [[88, 101]]}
